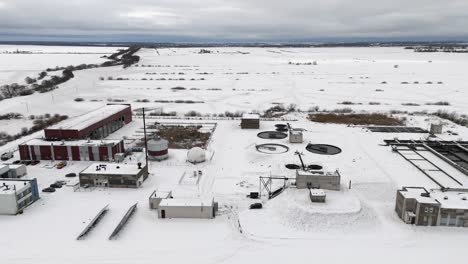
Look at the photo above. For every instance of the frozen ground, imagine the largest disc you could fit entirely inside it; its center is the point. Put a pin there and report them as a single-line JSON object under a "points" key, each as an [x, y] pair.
{"points": [[356, 225]]}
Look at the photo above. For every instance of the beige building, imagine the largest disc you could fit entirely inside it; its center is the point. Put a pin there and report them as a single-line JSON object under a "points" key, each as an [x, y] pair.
{"points": [[416, 205]]}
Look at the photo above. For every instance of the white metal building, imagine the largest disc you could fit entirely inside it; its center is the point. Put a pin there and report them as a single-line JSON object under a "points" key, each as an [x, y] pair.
{"points": [[15, 195], [187, 208], [12, 170]]}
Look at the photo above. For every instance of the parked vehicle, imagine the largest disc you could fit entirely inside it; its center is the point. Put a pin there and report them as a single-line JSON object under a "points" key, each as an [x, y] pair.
{"points": [[7, 155], [26, 162], [55, 186], [256, 206], [48, 190], [61, 165], [70, 175]]}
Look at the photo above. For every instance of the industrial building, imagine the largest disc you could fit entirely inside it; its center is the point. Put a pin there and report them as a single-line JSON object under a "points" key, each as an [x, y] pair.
{"points": [[187, 208], [12, 171], [79, 150], [416, 205], [318, 179], [97, 124], [113, 175], [16, 194], [250, 121]]}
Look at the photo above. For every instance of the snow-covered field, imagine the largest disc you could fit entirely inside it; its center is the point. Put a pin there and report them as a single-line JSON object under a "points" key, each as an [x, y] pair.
{"points": [[356, 225]]}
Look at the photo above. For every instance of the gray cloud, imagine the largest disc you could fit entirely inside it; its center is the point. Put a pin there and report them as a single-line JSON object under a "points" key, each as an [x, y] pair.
{"points": [[236, 19]]}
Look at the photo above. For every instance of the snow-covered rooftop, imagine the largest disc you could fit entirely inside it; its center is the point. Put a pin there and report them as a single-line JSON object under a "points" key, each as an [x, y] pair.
{"points": [[112, 168], [318, 173], [83, 142], [161, 194], [9, 187], [317, 192], [250, 116], [187, 202], [417, 193], [451, 199], [90, 118]]}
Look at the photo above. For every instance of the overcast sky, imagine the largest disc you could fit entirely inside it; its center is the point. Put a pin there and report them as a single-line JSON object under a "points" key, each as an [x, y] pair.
{"points": [[255, 20]]}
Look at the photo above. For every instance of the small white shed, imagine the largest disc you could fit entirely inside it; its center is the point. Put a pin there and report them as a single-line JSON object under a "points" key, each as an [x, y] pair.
{"points": [[17, 170], [317, 195], [187, 208]]}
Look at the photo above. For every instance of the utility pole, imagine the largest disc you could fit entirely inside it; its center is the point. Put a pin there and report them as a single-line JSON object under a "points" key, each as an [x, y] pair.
{"points": [[146, 141]]}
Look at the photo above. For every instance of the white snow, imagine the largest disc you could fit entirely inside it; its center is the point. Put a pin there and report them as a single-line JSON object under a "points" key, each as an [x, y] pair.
{"points": [[356, 225]]}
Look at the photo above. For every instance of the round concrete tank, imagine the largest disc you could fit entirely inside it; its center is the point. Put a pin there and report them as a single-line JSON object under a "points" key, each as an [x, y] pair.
{"points": [[158, 149], [196, 155]]}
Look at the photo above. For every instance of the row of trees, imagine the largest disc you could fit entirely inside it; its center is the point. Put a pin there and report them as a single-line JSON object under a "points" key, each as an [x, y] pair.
{"points": [[123, 57]]}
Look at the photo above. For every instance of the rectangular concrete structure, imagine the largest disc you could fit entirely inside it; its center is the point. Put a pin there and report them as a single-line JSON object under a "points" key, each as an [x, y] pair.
{"points": [[250, 121], [317, 195], [318, 179], [187, 208], [97, 124]]}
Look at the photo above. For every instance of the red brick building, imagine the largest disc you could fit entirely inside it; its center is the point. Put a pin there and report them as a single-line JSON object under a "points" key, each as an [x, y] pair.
{"points": [[97, 124], [84, 150]]}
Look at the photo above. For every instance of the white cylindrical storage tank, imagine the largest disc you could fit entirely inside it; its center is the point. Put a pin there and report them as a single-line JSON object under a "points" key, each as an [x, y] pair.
{"points": [[196, 155], [158, 149]]}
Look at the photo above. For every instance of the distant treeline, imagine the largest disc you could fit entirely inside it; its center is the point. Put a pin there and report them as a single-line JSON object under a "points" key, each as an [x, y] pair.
{"points": [[123, 57], [349, 43], [452, 48]]}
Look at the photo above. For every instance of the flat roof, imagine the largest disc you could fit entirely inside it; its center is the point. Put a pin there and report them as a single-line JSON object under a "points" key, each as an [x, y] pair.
{"points": [[90, 118], [415, 193], [250, 116], [182, 202], [9, 187], [103, 168], [317, 173], [451, 199], [317, 192], [83, 142], [161, 194]]}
